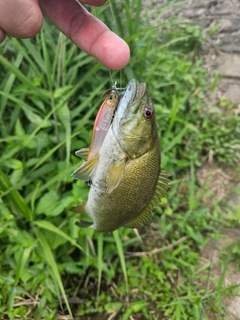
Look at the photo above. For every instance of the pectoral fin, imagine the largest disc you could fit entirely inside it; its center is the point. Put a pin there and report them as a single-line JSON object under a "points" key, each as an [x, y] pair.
{"points": [[82, 153], [115, 174], [86, 170]]}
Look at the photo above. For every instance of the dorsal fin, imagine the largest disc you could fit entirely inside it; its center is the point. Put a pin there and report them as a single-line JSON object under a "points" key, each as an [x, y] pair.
{"points": [[145, 217]]}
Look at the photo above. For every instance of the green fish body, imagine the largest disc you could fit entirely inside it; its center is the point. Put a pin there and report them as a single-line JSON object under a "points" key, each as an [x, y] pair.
{"points": [[126, 179]]}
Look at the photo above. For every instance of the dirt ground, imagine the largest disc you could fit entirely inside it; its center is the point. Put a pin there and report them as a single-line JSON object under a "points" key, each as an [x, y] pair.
{"points": [[222, 54]]}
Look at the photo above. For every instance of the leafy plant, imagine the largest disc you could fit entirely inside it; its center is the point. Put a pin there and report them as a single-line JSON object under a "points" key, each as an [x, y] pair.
{"points": [[49, 95]]}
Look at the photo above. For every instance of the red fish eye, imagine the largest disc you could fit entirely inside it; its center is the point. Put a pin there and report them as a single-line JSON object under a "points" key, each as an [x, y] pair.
{"points": [[148, 113]]}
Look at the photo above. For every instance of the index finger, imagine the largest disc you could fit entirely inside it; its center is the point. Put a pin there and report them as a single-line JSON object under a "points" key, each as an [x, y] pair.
{"points": [[95, 3], [87, 32]]}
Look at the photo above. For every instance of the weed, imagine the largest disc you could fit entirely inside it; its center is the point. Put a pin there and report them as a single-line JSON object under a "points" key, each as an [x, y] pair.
{"points": [[49, 95]]}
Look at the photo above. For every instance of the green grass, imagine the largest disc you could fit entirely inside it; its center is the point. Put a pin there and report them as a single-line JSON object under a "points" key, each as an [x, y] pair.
{"points": [[49, 95]]}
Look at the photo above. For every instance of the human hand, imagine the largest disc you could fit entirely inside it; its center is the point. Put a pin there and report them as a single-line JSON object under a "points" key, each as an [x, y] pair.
{"points": [[23, 19]]}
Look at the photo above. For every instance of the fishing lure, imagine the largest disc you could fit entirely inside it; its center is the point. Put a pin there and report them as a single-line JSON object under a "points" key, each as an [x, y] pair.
{"points": [[101, 126]]}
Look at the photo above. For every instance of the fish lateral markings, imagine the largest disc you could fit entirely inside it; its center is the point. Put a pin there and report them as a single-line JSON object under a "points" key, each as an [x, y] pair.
{"points": [[127, 182], [101, 125]]}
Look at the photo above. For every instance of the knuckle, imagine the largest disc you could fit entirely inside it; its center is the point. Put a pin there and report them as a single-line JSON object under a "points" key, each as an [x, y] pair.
{"points": [[76, 24], [29, 27]]}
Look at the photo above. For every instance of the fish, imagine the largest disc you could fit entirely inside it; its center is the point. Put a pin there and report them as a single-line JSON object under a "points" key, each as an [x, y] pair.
{"points": [[101, 125], [126, 178]]}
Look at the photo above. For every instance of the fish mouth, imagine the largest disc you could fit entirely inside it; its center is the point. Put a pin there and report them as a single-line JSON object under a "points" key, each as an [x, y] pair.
{"points": [[126, 98], [131, 98], [139, 94], [129, 104]]}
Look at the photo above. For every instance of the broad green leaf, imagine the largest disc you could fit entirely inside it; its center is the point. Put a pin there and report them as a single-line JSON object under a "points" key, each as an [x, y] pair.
{"points": [[12, 163], [50, 227], [50, 204]]}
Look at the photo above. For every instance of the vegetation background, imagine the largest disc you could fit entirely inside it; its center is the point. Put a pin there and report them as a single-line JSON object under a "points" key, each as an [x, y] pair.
{"points": [[49, 95]]}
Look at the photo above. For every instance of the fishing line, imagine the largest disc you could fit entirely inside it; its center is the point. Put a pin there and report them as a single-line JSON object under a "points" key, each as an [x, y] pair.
{"points": [[117, 32], [109, 3]]}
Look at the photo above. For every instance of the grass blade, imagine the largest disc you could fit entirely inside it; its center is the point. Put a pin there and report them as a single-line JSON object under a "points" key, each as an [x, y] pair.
{"points": [[15, 198], [50, 227], [11, 67], [121, 256], [9, 84], [50, 260], [99, 261]]}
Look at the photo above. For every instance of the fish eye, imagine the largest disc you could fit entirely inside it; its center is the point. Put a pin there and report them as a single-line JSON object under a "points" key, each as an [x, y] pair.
{"points": [[148, 113]]}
